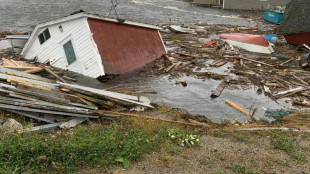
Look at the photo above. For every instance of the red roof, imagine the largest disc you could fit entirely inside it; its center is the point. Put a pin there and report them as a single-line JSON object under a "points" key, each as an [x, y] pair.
{"points": [[246, 38], [124, 48]]}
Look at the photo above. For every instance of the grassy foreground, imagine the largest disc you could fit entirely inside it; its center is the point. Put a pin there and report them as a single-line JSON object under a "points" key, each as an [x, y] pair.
{"points": [[96, 144]]}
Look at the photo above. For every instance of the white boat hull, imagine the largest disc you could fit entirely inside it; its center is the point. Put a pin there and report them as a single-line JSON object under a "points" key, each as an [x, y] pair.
{"points": [[251, 47]]}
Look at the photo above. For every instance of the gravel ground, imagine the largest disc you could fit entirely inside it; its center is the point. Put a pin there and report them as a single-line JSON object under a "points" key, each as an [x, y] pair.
{"points": [[22, 14]]}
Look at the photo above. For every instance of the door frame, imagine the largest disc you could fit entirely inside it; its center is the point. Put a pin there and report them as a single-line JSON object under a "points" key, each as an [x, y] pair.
{"points": [[63, 54]]}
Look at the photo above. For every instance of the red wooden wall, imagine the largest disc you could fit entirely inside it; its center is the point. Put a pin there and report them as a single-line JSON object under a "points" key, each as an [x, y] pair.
{"points": [[124, 48], [298, 39]]}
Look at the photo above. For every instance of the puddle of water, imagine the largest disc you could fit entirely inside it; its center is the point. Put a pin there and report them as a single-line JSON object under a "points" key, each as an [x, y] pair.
{"points": [[195, 98], [4, 44], [222, 70]]}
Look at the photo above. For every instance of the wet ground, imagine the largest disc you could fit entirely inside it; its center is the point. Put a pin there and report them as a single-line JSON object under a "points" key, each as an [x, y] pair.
{"points": [[195, 97], [4, 44], [23, 14]]}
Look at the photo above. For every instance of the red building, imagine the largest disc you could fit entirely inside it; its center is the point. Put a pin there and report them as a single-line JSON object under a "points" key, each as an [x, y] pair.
{"points": [[93, 45]]}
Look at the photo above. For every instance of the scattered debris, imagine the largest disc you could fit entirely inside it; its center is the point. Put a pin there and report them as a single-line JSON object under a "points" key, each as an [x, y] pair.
{"points": [[237, 107], [217, 92], [59, 104]]}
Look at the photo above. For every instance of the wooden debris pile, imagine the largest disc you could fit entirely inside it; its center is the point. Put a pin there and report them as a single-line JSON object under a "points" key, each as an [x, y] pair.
{"points": [[53, 101]]}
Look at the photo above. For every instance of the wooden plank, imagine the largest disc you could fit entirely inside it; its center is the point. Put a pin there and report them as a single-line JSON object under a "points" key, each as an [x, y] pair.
{"points": [[53, 94], [55, 75], [24, 75], [299, 89], [302, 81], [54, 126], [114, 95], [218, 63], [42, 129], [33, 104], [29, 82], [18, 68], [46, 107], [34, 70], [263, 63], [72, 123], [20, 108], [101, 91], [217, 92], [92, 99], [14, 62], [30, 115], [44, 95]]}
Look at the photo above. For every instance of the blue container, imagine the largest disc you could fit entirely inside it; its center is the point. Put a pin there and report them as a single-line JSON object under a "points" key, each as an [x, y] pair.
{"points": [[273, 17]]}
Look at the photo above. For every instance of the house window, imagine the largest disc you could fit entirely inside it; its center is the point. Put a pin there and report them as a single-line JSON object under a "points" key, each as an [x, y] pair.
{"points": [[69, 51], [44, 36]]}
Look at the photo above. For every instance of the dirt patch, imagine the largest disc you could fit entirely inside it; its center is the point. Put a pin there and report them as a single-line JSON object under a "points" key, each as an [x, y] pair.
{"points": [[219, 155]]}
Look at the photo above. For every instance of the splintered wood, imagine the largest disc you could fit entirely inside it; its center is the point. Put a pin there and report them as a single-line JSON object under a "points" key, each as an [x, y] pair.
{"points": [[59, 104]]}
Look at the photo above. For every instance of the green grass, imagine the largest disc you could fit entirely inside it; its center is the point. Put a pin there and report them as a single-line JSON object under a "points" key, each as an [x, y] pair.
{"points": [[218, 134], [237, 168], [281, 162], [97, 146], [284, 143], [240, 137]]}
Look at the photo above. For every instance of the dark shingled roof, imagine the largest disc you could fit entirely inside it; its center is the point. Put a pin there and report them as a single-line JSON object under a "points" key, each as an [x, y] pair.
{"points": [[296, 18]]}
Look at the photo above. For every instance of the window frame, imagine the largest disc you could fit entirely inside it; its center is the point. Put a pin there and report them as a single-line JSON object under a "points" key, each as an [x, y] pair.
{"points": [[44, 36]]}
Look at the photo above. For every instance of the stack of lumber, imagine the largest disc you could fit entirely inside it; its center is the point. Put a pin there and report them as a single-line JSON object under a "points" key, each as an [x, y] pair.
{"points": [[57, 104]]}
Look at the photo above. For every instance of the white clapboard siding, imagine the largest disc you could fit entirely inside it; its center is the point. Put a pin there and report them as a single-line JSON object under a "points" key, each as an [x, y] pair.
{"points": [[88, 58]]}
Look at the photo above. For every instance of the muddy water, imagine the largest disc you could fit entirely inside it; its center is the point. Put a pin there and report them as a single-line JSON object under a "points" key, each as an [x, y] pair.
{"points": [[22, 14], [195, 97]]}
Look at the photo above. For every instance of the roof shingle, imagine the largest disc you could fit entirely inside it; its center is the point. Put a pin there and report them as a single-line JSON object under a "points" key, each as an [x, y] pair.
{"points": [[296, 18]]}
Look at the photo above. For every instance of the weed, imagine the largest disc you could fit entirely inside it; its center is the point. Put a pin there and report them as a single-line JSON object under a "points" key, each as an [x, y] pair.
{"points": [[281, 162], [218, 134], [237, 168], [203, 162], [184, 139], [299, 157], [174, 149], [285, 144], [218, 172], [238, 136]]}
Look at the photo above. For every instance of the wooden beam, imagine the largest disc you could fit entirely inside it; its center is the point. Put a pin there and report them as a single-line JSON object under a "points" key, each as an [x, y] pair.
{"points": [[113, 95], [263, 63], [34, 70], [55, 75], [30, 115], [24, 75], [217, 92], [20, 108]]}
